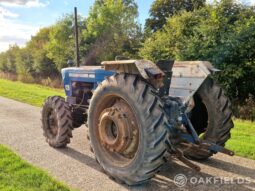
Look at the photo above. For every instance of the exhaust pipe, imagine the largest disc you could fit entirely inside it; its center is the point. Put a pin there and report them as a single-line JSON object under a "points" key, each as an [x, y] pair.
{"points": [[77, 51]]}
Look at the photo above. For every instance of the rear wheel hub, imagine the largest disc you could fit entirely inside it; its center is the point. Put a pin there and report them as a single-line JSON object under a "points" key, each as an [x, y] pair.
{"points": [[118, 131]]}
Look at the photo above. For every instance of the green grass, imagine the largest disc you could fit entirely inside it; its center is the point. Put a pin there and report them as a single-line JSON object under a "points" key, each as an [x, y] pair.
{"points": [[28, 93], [242, 140], [17, 175]]}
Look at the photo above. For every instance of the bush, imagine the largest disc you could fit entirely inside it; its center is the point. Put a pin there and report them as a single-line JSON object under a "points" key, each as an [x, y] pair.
{"points": [[247, 110], [55, 82], [222, 33], [8, 76], [26, 78]]}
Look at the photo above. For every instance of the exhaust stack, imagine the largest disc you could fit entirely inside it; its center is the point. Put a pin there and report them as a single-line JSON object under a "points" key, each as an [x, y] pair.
{"points": [[77, 51]]}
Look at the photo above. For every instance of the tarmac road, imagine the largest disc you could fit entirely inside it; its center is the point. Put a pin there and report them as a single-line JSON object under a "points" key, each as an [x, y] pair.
{"points": [[75, 165]]}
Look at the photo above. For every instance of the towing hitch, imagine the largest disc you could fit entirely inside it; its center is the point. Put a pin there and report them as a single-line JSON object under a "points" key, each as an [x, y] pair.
{"points": [[191, 141], [206, 147]]}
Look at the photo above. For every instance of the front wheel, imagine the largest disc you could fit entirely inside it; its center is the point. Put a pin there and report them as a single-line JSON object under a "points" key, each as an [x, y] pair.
{"points": [[56, 122], [127, 129]]}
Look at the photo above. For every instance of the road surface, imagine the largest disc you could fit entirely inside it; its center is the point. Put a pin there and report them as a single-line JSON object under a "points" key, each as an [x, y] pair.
{"points": [[20, 130]]}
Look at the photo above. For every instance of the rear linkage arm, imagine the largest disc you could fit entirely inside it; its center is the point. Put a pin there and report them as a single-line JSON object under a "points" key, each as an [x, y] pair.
{"points": [[188, 140], [182, 130]]}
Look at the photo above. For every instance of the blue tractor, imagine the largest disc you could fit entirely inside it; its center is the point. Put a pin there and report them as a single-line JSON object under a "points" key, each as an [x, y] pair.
{"points": [[137, 111]]}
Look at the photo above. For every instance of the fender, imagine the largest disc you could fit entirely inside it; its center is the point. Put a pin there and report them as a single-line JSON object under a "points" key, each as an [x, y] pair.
{"points": [[144, 68], [187, 77]]}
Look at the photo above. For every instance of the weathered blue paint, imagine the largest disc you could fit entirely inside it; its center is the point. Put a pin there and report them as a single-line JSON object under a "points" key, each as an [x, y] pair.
{"points": [[89, 74]]}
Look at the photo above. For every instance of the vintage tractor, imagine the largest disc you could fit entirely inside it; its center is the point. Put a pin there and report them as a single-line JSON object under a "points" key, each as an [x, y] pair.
{"points": [[137, 112]]}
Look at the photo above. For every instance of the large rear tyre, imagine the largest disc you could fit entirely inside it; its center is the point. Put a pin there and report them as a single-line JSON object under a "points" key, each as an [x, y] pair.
{"points": [[127, 129], [56, 122], [211, 117]]}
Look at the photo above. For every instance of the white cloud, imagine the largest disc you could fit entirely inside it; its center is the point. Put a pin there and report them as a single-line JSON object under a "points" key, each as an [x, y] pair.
{"points": [[12, 31], [23, 3], [246, 2], [252, 2], [6, 13]]}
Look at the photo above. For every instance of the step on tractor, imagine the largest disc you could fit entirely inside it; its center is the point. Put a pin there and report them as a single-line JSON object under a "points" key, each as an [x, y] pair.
{"points": [[140, 114]]}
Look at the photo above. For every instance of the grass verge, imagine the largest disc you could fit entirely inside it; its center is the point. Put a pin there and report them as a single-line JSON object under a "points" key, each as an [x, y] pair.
{"points": [[242, 140], [28, 93], [16, 175]]}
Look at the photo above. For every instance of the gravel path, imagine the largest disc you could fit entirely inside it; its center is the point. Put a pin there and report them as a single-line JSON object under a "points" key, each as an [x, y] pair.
{"points": [[75, 165]]}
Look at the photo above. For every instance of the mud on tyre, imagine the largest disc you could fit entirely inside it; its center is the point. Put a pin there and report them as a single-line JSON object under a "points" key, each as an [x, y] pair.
{"points": [[56, 122], [127, 129]]}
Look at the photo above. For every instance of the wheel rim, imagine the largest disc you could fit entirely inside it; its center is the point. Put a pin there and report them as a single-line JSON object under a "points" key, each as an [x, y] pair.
{"points": [[117, 131]]}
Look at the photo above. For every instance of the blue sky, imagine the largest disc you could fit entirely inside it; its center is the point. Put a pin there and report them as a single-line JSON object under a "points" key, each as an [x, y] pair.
{"points": [[19, 19]]}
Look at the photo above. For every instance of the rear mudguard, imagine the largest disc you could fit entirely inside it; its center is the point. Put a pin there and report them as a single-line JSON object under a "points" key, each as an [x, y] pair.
{"points": [[187, 77]]}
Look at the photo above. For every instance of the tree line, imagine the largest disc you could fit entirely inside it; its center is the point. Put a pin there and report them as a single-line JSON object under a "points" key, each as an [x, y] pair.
{"points": [[222, 32]]}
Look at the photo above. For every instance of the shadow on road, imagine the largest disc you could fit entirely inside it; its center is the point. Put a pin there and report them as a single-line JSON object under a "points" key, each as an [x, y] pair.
{"points": [[82, 158], [230, 167], [165, 179]]}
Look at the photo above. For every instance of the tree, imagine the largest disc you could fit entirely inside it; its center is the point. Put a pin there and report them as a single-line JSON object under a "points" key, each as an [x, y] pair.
{"points": [[161, 10], [60, 46], [24, 61], [8, 59], [111, 30], [3, 60], [223, 33], [41, 64]]}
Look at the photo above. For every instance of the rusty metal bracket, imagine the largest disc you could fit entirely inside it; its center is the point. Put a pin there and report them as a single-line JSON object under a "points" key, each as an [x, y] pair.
{"points": [[218, 148], [208, 147], [179, 155]]}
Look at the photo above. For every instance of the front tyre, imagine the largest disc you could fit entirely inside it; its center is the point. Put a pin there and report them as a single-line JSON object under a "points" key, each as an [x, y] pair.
{"points": [[127, 129], [56, 122]]}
